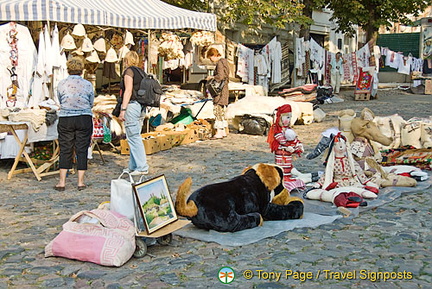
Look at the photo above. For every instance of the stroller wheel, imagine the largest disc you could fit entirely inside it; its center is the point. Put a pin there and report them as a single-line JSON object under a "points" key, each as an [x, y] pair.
{"points": [[141, 248]]}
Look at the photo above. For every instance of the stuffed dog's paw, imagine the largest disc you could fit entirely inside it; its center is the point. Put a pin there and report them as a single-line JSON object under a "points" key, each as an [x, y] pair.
{"points": [[282, 198]]}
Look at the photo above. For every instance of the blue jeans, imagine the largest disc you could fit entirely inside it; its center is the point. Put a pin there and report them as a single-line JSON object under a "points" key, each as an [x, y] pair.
{"points": [[133, 126]]}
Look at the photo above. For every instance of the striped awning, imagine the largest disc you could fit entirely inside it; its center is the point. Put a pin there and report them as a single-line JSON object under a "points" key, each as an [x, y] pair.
{"points": [[132, 14]]}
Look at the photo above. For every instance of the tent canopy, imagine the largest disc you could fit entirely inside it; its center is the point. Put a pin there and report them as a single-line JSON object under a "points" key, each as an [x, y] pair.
{"points": [[132, 14]]}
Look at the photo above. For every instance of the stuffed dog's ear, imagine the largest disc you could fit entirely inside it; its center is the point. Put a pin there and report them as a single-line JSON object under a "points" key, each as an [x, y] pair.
{"points": [[246, 169], [268, 174]]}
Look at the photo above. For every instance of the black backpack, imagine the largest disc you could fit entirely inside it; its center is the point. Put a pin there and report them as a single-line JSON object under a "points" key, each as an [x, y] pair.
{"points": [[149, 91]]}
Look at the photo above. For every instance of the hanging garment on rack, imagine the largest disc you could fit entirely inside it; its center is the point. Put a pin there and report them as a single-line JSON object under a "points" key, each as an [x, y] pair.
{"points": [[317, 56], [26, 62], [48, 52], [392, 59], [348, 68], [245, 64], [405, 65], [109, 70], [363, 55], [276, 57], [300, 54], [417, 65], [262, 68], [55, 48]]}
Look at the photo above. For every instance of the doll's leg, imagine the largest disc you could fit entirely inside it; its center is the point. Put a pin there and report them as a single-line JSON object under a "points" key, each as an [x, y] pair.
{"points": [[285, 162]]}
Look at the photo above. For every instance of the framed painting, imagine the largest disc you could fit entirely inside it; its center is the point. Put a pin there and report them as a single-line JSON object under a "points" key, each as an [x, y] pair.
{"points": [[154, 202]]}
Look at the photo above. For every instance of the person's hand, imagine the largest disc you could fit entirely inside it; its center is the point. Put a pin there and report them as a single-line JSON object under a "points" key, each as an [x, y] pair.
{"points": [[122, 115], [209, 77], [289, 149], [300, 148]]}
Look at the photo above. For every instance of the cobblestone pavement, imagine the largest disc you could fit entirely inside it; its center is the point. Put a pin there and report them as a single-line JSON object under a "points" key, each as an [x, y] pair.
{"points": [[394, 239]]}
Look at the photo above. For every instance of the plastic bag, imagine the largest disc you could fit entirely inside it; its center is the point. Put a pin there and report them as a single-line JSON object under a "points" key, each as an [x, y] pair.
{"points": [[122, 196], [254, 125]]}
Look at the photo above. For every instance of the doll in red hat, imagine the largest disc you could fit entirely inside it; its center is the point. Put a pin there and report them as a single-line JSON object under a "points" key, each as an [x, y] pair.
{"points": [[284, 144]]}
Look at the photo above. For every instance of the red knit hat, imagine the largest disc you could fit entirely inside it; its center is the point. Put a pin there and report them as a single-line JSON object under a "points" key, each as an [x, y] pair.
{"points": [[276, 128]]}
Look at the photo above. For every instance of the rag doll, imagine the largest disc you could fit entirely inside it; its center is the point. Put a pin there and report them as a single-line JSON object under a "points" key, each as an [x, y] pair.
{"points": [[341, 169], [293, 141], [284, 148]]}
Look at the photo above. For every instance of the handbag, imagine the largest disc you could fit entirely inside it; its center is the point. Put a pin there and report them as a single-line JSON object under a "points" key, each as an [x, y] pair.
{"points": [[117, 108], [215, 87], [99, 236]]}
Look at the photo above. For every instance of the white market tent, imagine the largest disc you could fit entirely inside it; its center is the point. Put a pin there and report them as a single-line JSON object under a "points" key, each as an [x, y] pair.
{"points": [[132, 14]]}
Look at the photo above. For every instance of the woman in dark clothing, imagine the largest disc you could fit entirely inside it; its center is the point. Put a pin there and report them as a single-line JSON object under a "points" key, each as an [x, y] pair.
{"points": [[220, 102]]}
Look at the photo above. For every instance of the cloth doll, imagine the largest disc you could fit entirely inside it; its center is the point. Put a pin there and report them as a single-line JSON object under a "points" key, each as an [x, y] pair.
{"points": [[341, 169], [284, 148], [292, 140]]}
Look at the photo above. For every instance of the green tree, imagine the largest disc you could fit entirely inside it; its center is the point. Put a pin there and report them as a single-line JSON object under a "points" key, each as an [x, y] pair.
{"points": [[370, 15], [309, 7], [253, 13]]}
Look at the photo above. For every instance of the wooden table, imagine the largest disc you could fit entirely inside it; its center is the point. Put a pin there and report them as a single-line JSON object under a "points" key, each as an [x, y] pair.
{"points": [[40, 171]]}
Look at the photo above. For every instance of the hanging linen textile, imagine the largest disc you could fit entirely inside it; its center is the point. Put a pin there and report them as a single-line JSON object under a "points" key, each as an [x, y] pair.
{"points": [[245, 64], [17, 51], [317, 56]]}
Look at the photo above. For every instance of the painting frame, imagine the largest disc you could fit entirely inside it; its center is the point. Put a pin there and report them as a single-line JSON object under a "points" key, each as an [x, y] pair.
{"points": [[154, 202]]}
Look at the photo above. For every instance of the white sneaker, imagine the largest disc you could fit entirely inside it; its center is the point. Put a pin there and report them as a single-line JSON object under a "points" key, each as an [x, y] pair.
{"points": [[139, 173], [127, 170]]}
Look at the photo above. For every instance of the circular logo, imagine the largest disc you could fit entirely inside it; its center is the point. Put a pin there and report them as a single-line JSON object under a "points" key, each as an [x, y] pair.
{"points": [[226, 275]]}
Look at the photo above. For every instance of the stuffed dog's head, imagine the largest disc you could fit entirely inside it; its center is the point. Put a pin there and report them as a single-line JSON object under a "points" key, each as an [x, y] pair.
{"points": [[270, 175]]}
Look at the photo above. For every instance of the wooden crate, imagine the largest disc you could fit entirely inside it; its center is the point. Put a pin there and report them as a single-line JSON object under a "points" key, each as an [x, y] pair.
{"points": [[362, 96]]}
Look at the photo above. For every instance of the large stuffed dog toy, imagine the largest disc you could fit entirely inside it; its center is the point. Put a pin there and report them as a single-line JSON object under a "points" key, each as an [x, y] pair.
{"points": [[240, 203]]}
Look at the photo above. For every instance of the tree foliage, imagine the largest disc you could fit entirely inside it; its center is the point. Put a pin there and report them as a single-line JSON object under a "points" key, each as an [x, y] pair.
{"points": [[253, 13], [370, 15]]}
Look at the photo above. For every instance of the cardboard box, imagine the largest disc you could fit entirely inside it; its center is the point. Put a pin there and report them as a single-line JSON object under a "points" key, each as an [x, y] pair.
{"points": [[203, 129], [124, 147], [164, 140], [428, 86], [151, 146], [190, 137], [176, 137]]}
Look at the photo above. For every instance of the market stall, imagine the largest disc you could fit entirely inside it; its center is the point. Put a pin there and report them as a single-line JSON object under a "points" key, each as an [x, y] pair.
{"points": [[98, 31]]}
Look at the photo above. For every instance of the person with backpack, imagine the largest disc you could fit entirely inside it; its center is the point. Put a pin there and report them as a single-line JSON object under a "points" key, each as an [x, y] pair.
{"points": [[132, 113], [220, 101]]}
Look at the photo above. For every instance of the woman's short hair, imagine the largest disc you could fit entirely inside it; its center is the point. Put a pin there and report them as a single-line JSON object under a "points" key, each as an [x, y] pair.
{"points": [[75, 66], [132, 58], [213, 52]]}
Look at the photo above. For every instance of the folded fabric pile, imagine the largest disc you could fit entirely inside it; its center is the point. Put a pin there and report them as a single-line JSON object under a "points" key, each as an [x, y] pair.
{"points": [[302, 93]]}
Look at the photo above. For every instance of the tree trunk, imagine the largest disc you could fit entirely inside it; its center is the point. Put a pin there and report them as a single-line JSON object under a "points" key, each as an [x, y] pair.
{"points": [[371, 34], [305, 28]]}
